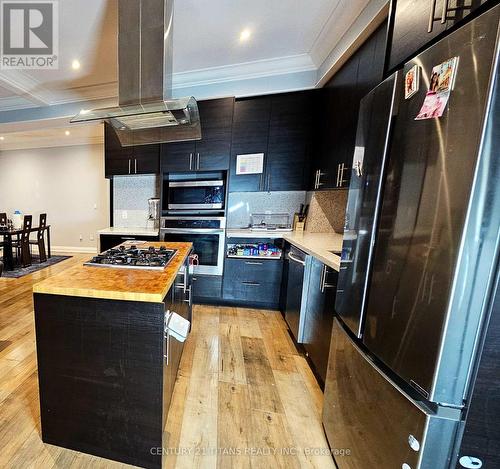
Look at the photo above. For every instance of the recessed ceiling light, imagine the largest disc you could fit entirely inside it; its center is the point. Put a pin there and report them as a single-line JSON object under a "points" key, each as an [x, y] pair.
{"points": [[75, 65], [245, 35], [2, 138], [67, 132]]}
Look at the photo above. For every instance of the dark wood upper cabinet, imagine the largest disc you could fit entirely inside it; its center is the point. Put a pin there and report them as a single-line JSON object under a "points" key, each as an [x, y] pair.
{"points": [[280, 127], [213, 151], [250, 135], [414, 24], [337, 113], [290, 141], [177, 157], [123, 161]]}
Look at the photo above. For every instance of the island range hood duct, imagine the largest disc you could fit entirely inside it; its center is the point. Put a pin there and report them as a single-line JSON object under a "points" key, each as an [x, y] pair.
{"points": [[146, 113]]}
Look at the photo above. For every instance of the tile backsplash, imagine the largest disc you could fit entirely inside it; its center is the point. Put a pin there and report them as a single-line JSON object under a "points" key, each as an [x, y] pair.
{"points": [[242, 204], [326, 211], [130, 195]]}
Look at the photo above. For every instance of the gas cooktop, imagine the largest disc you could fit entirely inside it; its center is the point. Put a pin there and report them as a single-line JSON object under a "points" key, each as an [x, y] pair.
{"points": [[124, 257]]}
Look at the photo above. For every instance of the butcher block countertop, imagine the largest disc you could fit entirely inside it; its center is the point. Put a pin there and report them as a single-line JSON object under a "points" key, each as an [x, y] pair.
{"points": [[117, 284]]}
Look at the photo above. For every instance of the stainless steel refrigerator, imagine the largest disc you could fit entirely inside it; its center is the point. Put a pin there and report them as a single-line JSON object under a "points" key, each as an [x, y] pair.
{"points": [[418, 265]]}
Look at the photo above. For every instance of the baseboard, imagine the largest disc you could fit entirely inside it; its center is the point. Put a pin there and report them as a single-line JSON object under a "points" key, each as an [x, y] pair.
{"points": [[73, 249]]}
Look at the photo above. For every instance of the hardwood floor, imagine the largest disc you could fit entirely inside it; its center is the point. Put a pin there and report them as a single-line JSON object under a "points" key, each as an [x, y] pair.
{"points": [[244, 397]]}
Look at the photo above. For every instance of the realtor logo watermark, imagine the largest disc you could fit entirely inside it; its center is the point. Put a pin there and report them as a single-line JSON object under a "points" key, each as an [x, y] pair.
{"points": [[30, 34]]}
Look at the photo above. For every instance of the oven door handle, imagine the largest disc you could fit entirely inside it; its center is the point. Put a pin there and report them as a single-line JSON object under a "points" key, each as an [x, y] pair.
{"points": [[193, 230]]}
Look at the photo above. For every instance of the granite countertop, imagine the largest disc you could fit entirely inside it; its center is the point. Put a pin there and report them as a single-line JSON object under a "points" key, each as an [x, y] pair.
{"points": [[130, 231], [318, 245], [117, 284]]}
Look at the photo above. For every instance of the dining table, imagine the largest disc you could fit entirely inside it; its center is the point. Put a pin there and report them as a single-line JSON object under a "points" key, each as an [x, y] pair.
{"points": [[12, 233]]}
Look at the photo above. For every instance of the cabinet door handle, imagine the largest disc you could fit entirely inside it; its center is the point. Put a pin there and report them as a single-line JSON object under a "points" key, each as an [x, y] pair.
{"points": [[253, 263], [190, 161], [444, 14], [432, 16], [316, 179], [338, 176], [128, 238], [319, 178], [197, 161], [129, 165], [251, 284], [323, 279], [188, 300], [135, 160]]}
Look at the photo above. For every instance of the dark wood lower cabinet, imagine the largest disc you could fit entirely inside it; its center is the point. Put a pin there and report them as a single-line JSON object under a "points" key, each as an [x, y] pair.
{"points": [[207, 288], [106, 374], [253, 282]]}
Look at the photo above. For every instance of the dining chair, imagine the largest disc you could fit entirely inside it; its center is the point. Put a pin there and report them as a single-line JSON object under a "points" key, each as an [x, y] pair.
{"points": [[22, 244], [40, 238], [3, 222]]}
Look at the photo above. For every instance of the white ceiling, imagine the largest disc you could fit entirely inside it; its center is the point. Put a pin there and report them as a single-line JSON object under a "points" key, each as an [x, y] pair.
{"points": [[287, 36]]}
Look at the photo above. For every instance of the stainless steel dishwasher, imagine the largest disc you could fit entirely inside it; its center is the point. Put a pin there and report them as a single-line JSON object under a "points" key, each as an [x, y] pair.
{"points": [[296, 261]]}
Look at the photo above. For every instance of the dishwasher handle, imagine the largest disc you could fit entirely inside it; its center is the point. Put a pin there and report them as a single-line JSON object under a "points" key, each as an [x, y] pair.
{"points": [[296, 259]]}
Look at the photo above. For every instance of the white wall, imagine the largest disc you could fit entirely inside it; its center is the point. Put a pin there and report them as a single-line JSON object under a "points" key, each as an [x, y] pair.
{"points": [[67, 183]]}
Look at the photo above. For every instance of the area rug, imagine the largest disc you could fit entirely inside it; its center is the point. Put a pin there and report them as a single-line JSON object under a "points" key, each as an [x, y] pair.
{"points": [[35, 267]]}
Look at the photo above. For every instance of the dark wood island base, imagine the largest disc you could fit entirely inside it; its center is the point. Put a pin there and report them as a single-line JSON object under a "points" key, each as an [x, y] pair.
{"points": [[106, 371]]}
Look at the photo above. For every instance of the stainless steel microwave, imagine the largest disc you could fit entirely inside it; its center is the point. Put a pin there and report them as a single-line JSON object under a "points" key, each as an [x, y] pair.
{"points": [[194, 195]]}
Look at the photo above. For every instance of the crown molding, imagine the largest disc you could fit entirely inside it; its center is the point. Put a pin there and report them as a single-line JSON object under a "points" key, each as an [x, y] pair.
{"points": [[12, 103], [50, 141], [244, 71], [336, 26], [21, 84], [86, 93], [29, 89], [372, 16]]}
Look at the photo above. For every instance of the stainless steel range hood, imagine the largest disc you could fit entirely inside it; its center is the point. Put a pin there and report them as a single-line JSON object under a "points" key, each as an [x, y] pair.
{"points": [[146, 113]]}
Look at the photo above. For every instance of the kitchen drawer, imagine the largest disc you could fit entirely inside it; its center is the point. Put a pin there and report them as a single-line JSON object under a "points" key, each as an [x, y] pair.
{"points": [[252, 291], [255, 281], [261, 270], [206, 287]]}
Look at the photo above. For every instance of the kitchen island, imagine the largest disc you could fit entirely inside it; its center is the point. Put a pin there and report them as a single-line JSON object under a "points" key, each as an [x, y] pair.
{"points": [[106, 369]]}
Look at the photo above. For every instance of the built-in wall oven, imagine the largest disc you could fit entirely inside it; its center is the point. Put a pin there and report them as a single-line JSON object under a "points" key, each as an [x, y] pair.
{"points": [[207, 235], [193, 194]]}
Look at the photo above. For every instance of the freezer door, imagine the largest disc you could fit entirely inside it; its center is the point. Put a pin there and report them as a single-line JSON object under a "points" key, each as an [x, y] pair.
{"points": [[375, 117], [431, 170], [371, 424]]}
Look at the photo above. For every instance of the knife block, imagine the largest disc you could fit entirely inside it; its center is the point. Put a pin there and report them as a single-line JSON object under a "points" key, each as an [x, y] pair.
{"points": [[298, 225]]}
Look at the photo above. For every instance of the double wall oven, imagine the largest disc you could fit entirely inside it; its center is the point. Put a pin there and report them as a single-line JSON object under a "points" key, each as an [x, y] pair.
{"points": [[207, 233]]}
